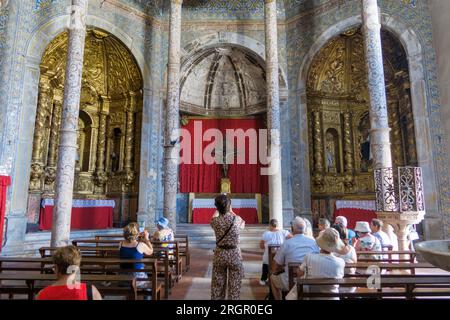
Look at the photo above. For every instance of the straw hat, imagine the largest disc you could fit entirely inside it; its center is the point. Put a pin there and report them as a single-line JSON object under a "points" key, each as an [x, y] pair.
{"points": [[362, 226], [330, 241]]}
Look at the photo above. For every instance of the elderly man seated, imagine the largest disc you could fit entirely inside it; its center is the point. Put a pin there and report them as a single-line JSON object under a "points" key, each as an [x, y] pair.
{"points": [[292, 250]]}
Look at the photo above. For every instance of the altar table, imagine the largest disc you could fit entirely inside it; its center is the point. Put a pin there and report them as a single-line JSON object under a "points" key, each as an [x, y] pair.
{"points": [[86, 214], [203, 210]]}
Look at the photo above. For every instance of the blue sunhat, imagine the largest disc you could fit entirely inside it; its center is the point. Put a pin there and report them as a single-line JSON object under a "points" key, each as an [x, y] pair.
{"points": [[163, 222]]}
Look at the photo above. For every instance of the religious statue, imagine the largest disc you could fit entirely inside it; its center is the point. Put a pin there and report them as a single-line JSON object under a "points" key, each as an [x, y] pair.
{"points": [[330, 156], [365, 153]]}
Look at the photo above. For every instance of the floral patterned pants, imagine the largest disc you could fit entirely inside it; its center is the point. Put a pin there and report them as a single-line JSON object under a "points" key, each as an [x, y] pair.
{"points": [[227, 271]]}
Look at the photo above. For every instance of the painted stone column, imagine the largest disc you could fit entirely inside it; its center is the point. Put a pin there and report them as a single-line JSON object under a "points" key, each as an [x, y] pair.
{"points": [[273, 111], [172, 116], [69, 123], [379, 127]]}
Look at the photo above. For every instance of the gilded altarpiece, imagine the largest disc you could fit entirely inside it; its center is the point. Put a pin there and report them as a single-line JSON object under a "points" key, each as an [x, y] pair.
{"points": [[109, 126], [338, 116]]}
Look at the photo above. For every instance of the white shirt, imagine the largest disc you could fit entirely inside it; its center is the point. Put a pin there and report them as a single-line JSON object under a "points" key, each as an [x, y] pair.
{"points": [[272, 238], [383, 237], [349, 257], [327, 266], [294, 250]]}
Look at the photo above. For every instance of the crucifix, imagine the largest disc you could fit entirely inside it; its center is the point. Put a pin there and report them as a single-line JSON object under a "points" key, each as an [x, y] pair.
{"points": [[225, 183]]}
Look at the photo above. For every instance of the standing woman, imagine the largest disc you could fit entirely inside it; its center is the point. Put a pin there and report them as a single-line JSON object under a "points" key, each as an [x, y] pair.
{"points": [[227, 261]]}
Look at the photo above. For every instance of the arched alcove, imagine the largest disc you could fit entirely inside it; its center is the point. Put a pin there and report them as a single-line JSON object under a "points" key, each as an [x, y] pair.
{"points": [[111, 99]]}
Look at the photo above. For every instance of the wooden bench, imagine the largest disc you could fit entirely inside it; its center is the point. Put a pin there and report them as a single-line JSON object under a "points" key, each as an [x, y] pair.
{"points": [[293, 268], [426, 284], [34, 282], [177, 262], [182, 239], [90, 265], [99, 251], [401, 256]]}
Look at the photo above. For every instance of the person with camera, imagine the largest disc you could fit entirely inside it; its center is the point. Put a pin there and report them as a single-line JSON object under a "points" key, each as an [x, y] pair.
{"points": [[136, 246], [228, 269]]}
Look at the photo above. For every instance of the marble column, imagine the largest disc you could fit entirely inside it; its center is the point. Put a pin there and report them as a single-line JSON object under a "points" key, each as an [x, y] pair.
{"points": [[172, 116], [379, 127], [273, 111], [69, 123]]}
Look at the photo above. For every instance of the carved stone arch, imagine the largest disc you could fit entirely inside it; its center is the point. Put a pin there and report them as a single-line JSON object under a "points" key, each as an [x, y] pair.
{"points": [[412, 45]]}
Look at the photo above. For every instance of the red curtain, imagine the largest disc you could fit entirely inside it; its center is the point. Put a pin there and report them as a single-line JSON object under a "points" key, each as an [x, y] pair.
{"points": [[353, 215], [5, 181], [201, 177]]}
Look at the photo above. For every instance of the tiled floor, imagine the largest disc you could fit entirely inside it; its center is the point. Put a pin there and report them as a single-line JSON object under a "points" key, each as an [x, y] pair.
{"points": [[196, 283]]}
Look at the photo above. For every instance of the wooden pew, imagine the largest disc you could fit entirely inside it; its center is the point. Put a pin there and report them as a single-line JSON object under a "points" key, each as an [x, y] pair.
{"points": [[390, 256], [293, 268], [177, 262], [182, 239], [92, 265], [32, 288], [426, 284], [100, 251]]}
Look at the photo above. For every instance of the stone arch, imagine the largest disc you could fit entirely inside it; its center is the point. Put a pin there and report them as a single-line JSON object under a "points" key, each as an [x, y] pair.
{"points": [[412, 45]]}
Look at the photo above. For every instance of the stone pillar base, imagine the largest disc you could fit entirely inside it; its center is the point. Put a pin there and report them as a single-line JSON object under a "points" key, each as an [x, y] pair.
{"points": [[400, 221]]}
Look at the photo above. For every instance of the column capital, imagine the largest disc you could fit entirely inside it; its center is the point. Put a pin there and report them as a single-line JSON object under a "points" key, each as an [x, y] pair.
{"points": [[176, 2]]}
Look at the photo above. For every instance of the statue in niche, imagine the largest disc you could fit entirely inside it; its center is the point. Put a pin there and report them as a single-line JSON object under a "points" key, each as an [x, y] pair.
{"points": [[364, 144], [330, 153], [115, 153]]}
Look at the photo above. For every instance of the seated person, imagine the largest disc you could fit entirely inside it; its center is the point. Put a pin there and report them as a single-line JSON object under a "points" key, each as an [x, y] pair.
{"points": [[272, 237], [67, 287], [309, 232], [164, 233], [350, 233], [323, 224], [135, 246], [375, 227], [324, 265], [348, 253], [292, 250], [366, 241]]}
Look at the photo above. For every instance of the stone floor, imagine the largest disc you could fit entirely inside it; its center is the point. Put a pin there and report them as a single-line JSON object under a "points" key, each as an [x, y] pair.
{"points": [[196, 284]]}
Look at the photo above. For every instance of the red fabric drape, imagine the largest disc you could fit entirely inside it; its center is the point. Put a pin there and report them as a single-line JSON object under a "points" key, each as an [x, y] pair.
{"points": [[87, 218], [205, 178], [5, 181], [353, 215], [204, 215]]}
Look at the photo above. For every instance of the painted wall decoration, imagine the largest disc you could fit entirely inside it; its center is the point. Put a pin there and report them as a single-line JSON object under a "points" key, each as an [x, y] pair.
{"points": [[143, 25]]}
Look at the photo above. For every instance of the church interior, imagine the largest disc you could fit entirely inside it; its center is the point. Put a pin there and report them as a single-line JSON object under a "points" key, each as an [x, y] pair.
{"points": [[111, 111]]}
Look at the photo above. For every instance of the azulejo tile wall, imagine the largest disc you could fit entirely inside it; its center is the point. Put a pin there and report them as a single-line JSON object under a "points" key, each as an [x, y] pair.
{"points": [[301, 22]]}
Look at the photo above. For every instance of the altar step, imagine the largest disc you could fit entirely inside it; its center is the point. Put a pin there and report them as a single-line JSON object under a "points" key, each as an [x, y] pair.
{"points": [[202, 236]]}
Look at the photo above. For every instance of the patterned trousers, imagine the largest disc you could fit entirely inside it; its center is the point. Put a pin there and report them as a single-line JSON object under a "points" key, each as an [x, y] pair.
{"points": [[227, 273]]}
